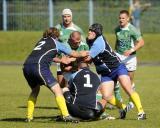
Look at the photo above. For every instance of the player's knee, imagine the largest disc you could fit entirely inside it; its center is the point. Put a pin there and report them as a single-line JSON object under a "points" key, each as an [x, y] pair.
{"points": [[100, 109], [68, 97], [90, 115]]}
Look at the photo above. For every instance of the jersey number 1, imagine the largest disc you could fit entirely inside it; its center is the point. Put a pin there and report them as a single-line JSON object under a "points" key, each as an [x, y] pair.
{"points": [[88, 83]]}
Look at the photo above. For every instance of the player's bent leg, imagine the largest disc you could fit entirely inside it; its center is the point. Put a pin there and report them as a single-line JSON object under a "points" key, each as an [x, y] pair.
{"points": [[106, 89], [122, 107], [100, 108], [124, 111], [90, 114], [100, 112], [80, 112], [60, 77], [131, 66], [117, 92], [117, 103], [31, 103], [136, 100], [61, 80], [126, 84], [62, 104], [60, 99], [131, 75], [86, 113], [68, 97]]}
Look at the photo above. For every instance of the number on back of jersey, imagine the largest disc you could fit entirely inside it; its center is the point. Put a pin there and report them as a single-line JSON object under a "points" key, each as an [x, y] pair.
{"points": [[39, 46], [88, 81]]}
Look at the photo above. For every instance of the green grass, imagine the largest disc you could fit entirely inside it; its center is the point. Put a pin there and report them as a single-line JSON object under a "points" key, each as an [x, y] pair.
{"points": [[14, 93], [15, 46]]}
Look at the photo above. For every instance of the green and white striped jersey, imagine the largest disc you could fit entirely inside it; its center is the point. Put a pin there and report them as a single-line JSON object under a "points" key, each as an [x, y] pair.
{"points": [[126, 38], [65, 32]]}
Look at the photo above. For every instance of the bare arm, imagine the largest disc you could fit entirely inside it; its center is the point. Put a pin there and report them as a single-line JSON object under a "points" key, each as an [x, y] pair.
{"points": [[79, 54], [139, 44], [64, 60], [88, 59]]}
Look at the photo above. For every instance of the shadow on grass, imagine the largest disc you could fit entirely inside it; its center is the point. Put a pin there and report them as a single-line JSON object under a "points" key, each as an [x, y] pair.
{"points": [[13, 119], [40, 107], [36, 119], [48, 119]]}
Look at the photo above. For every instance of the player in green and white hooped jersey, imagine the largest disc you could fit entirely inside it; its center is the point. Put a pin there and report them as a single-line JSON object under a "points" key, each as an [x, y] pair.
{"points": [[128, 41], [66, 28]]}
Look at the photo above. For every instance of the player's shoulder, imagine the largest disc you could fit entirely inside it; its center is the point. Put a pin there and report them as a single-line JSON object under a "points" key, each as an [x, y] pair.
{"points": [[77, 28], [132, 28], [59, 26]]}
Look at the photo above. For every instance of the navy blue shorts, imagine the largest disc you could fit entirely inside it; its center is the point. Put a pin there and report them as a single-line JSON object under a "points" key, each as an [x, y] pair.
{"points": [[113, 76], [37, 74]]}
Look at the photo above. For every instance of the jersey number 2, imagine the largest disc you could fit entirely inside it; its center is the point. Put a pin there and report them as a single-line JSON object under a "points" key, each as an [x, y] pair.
{"points": [[88, 83], [38, 47]]}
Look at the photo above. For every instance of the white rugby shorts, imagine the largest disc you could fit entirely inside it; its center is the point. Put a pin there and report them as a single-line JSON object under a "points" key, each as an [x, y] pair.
{"points": [[129, 61]]}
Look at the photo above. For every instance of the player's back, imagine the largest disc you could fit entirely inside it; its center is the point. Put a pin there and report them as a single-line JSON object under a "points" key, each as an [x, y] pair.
{"points": [[84, 87], [44, 51]]}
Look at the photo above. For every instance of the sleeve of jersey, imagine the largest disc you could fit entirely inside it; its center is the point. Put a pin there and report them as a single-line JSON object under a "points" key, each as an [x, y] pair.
{"points": [[136, 35], [71, 78], [97, 47], [63, 48], [86, 47], [58, 26]]}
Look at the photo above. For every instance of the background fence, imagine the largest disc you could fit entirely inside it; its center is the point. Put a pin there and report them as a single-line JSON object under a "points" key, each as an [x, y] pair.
{"points": [[37, 15]]}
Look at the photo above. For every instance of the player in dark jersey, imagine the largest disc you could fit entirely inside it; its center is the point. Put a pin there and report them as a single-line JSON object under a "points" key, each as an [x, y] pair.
{"points": [[37, 71], [110, 68], [81, 94]]}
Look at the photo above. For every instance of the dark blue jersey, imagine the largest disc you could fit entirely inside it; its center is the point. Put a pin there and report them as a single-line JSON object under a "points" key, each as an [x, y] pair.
{"points": [[43, 52], [103, 56], [36, 67], [83, 86]]}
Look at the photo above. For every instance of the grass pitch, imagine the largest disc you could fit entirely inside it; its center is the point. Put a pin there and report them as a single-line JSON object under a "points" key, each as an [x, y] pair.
{"points": [[16, 46], [14, 93]]}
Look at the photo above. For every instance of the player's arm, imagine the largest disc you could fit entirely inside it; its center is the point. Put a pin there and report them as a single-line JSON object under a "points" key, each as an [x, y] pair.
{"points": [[97, 47], [64, 59], [79, 54], [66, 50], [87, 59], [138, 43], [70, 66]]}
